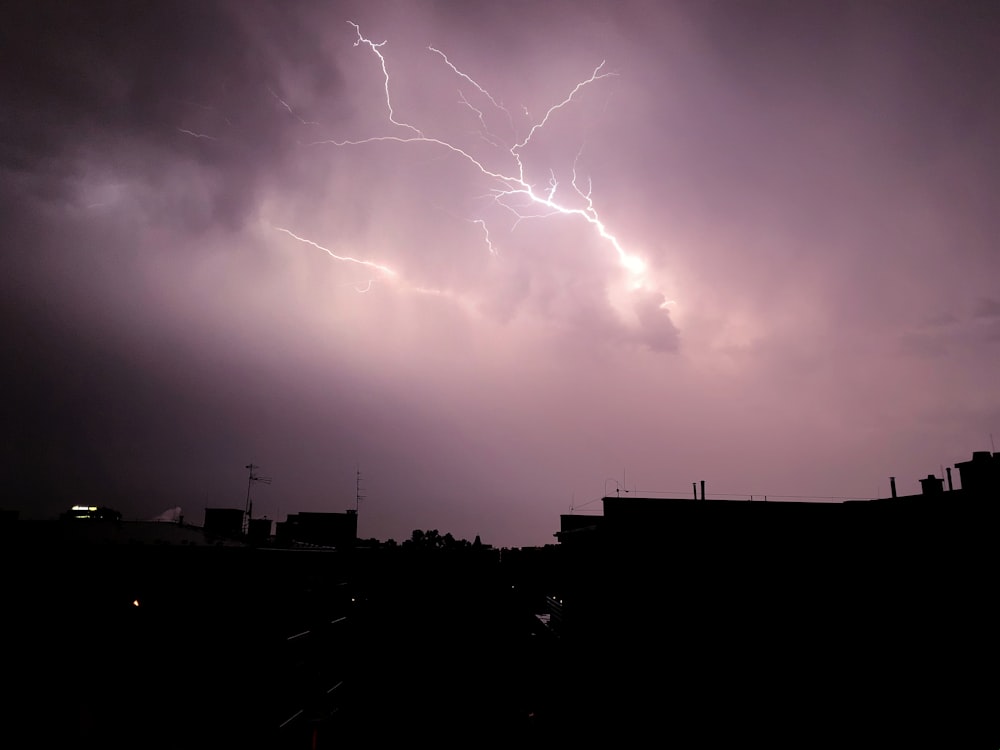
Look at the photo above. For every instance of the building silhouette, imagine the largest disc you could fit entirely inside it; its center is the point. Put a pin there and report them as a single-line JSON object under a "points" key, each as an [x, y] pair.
{"points": [[695, 622], [337, 530], [224, 522], [807, 623]]}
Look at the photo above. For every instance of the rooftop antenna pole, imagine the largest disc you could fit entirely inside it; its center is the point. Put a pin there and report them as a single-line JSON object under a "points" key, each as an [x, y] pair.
{"points": [[991, 443], [358, 497], [248, 510]]}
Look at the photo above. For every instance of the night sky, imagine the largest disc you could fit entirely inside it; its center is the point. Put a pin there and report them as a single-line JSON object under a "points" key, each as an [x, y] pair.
{"points": [[517, 256]]}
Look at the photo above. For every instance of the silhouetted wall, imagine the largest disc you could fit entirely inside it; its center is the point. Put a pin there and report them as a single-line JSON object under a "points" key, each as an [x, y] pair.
{"points": [[224, 521], [321, 529], [981, 475]]}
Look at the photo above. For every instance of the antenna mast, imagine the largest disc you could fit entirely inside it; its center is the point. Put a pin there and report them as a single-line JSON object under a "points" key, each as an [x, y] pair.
{"points": [[358, 497], [248, 511]]}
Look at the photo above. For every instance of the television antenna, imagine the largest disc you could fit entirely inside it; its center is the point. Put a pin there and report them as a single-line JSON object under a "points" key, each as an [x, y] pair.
{"points": [[254, 477], [358, 497]]}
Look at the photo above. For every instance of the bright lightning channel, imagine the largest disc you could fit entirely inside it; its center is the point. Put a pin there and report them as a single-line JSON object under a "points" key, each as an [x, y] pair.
{"points": [[512, 190], [386, 271], [382, 269], [346, 258], [486, 233]]}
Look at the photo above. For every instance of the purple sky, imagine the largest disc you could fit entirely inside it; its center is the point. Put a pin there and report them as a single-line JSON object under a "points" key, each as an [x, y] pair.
{"points": [[796, 290]]}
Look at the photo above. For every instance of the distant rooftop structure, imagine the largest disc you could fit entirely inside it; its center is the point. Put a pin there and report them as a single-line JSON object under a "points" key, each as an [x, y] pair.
{"points": [[338, 530], [634, 517], [981, 474], [227, 522]]}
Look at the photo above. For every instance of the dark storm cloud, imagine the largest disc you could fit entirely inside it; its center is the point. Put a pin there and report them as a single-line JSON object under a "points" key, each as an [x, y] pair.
{"points": [[137, 88]]}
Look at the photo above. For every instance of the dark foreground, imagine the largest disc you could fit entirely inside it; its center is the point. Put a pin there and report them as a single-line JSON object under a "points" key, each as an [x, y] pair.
{"points": [[171, 647]]}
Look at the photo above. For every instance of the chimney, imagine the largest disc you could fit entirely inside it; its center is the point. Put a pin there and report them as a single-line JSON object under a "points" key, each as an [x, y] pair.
{"points": [[694, 486], [702, 489], [931, 485], [892, 484], [950, 488]]}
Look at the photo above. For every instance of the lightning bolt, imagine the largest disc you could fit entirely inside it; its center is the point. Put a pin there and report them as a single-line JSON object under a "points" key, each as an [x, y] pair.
{"points": [[376, 48], [345, 258], [511, 189], [508, 185], [486, 233], [384, 270]]}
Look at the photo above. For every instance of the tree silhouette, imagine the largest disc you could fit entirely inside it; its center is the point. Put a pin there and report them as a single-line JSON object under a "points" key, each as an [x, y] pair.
{"points": [[432, 539]]}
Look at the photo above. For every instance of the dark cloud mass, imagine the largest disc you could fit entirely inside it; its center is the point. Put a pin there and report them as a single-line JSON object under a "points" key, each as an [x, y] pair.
{"points": [[760, 250]]}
